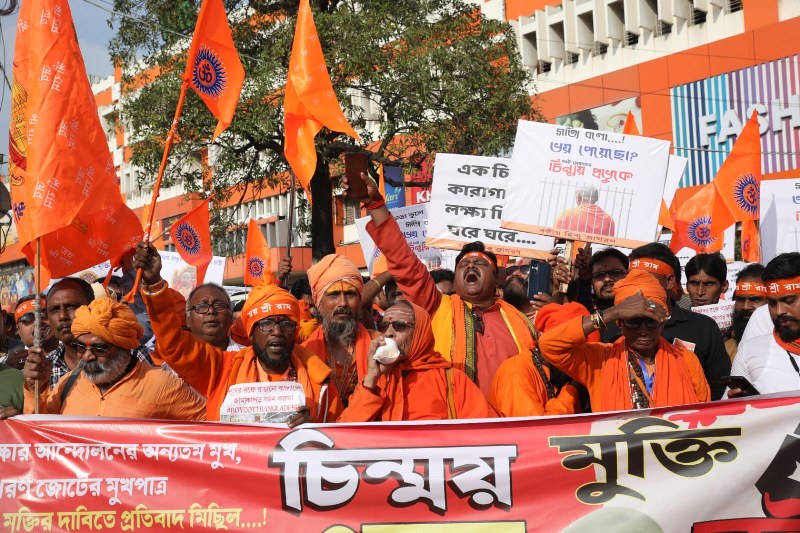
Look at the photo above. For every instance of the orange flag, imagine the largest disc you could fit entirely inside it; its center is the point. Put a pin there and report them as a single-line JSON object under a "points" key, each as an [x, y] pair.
{"points": [[213, 68], [693, 222], [257, 259], [751, 242], [630, 127], [309, 102], [192, 237], [64, 187], [738, 182]]}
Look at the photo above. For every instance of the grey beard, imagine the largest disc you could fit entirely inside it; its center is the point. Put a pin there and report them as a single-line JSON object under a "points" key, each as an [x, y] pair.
{"points": [[342, 332], [105, 374], [270, 363]]}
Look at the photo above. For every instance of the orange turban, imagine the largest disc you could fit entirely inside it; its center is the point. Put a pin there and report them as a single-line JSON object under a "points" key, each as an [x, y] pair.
{"points": [[329, 270], [640, 280], [268, 300], [555, 314], [109, 320]]}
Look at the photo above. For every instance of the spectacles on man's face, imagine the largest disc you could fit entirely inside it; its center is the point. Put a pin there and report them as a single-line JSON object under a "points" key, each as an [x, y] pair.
{"points": [[523, 269], [267, 324], [615, 274], [97, 349], [399, 326], [30, 318], [204, 308], [636, 323]]}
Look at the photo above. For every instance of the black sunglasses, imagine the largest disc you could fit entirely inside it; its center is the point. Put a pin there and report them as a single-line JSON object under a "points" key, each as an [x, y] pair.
{"points": [[524, 269], [398, 325], [98, 349]]}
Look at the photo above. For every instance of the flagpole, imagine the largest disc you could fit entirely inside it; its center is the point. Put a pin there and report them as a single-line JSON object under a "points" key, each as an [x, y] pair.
{"points": [[290, 225], [157, 185], [37, 319]]}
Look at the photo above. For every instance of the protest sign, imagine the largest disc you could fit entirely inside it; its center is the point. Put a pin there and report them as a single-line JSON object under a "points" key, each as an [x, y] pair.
{"points": [[467, 205], [780, 217], [275, 402], [721, 312], [637, 470], [413, 222], [585, 185]]}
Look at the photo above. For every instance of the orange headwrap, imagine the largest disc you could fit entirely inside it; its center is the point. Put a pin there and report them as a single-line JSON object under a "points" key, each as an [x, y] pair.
{"points": [[268, 300], [784, 287], [109, 320], [28, 306], [652, 265], [329, 270], [750, 288], [640, 280], [556, 314]]}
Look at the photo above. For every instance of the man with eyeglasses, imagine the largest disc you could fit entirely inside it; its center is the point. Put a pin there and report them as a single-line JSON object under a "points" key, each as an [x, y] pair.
{"points": [[596, 278], [209, 316], [109, 379], [270, 315]]}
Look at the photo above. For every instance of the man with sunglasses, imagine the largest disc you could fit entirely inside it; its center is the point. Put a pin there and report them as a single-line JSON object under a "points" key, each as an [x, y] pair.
{"points": [[109, 379], [596, 281], [270, 315], [26, 319]]}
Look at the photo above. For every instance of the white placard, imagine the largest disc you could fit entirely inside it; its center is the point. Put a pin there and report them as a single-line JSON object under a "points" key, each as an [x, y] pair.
{"points": [[586, 185], [675, 169], [413, 222], [467, 205], [274, 402], [721, 312], [780, 217]]}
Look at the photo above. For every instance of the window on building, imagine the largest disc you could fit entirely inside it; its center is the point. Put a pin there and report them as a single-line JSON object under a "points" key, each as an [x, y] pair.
{"points": [[733, 6], [631, 38], [698, 17], [543, 66], [663, 28], [352, 210]]}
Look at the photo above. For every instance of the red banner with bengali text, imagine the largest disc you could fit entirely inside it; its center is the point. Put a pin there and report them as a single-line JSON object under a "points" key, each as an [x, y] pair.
{"points": [[724, 466]]}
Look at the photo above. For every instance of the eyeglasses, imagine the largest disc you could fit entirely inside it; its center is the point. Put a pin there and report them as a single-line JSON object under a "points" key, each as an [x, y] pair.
{"points": [[30, 318], [616, 274], [524, 269], [398, 325], [97, 349], [267, 324], [204, 308], [636, 323]]}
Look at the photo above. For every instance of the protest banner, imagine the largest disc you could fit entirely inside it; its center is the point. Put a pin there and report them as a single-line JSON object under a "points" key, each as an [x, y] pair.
{"points": [[413, 222], [585, 185], [467, 205], [721, 466], [721, 312], [780, 217], [276, 401]]}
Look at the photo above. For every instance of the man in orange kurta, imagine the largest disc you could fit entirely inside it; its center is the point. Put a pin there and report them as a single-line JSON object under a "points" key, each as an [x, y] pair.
{"points": [[640, 369], [420, 385], [213, 371], [522, 385], [472, 328], [109, 379]]}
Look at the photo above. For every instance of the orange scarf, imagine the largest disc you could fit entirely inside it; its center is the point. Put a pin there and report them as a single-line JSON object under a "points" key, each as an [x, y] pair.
{"points": [[791, 346], [316, 343], [673, 384]]}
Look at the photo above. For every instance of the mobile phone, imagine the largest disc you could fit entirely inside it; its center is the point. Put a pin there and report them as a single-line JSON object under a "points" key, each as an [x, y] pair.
{"points": [[539, 278], [740, 382], [354, 164]]}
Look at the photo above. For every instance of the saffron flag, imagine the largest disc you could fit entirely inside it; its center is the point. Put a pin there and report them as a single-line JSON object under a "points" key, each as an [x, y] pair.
{"points": [[630, 127], [738, 182], [693, 222], [751, 242], [64, 187], [213, 68], [257, 258], [192, 237], [309, 102]]}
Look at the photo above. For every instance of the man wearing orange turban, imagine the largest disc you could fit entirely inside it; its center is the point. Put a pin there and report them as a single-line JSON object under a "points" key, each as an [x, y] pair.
{"points": [[109, 379], [270, 317], [420, 384], [641, 369], [342, 340], [522, 385]]}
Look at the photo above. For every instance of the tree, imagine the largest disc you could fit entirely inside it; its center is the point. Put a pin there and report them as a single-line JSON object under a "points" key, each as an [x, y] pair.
{"points": [[438, 75]]}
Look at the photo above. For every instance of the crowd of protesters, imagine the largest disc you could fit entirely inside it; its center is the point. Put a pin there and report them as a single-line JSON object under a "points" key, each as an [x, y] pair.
{"points": [[471, 343]]}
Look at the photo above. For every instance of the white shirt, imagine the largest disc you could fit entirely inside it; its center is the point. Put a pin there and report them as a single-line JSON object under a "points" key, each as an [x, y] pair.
{"points": [[760, 323], [766, 365]]}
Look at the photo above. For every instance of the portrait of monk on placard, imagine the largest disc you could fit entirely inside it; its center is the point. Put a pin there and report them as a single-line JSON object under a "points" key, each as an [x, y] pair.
{"points": [[586, 216]]}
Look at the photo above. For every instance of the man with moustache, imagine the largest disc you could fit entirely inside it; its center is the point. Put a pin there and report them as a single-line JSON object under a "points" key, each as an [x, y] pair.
{"points": [[109, 379], [771, 362], [26, 319], [342, 339], [270, 315], [750, 294], [474, 330], [706, 278]]}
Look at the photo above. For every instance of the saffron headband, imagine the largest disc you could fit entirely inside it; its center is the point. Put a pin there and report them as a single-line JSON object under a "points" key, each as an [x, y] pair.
{"points": [[652, 265], [784, 287], [28, 306], [477, 255], [749, 288]]}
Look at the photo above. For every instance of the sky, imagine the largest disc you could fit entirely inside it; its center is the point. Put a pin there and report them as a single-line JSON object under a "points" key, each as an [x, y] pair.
{"points": [[91, 25]]}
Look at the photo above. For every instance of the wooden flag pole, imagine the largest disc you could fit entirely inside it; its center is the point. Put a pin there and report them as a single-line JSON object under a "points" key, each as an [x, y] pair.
{"points": [[568, 254], [157, 185], [37, 318], [290, 225]]}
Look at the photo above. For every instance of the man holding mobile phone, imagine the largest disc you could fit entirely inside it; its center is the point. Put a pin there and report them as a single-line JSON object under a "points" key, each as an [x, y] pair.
{"points": [[771, 362]]}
